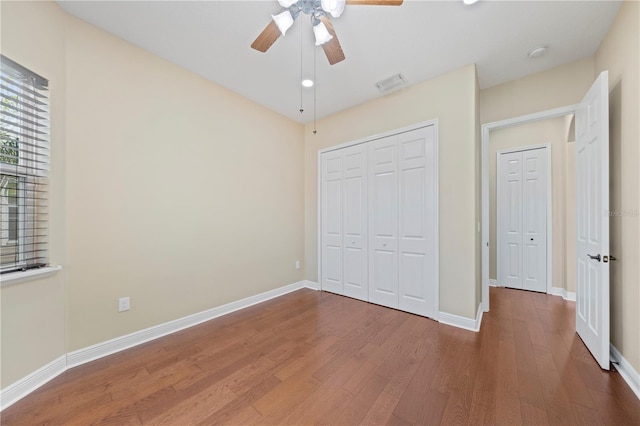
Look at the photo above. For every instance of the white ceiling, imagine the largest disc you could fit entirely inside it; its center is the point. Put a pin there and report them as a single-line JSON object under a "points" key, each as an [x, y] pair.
{"points": [[420, 39]]}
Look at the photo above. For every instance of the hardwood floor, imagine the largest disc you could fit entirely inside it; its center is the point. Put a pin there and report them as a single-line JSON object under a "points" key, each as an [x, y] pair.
{"points": [[311, 357]]}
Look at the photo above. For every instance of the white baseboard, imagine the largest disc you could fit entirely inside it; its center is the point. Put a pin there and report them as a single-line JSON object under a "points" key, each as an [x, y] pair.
{"points": [[31, 382], [118, 344], [626, 370], [23, 387], [493, 283], [311, 284], [463, 322], [566, 295]]}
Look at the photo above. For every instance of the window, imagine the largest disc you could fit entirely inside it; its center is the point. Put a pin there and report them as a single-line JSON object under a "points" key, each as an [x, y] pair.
{"points": [[24, 168]]}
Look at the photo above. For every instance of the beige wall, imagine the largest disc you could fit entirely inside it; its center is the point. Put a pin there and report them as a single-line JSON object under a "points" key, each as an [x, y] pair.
{"points": [[555, 88], [32, 313], [619, 53], [194, 193], [552, 131], [452, 100], [166, 188]]}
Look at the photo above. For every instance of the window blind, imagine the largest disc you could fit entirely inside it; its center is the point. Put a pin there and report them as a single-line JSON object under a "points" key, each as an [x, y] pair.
{"points": [[24, 168]]}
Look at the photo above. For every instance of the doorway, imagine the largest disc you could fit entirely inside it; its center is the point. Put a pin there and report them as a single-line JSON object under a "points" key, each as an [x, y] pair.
{"points": [[534, 130]]}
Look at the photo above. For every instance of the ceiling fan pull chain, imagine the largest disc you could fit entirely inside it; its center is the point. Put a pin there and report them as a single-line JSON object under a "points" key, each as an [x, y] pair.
{"points": [[301, 74], [315, 85]]}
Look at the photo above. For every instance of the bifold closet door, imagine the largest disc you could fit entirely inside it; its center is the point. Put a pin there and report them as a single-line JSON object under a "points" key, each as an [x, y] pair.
{"points": [[354, 219], [402, 209], [383, 221], [378, 232], [344, 222], [331, 222], [416, 221]]}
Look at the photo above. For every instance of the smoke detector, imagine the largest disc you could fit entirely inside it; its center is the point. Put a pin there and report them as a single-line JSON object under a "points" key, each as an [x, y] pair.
{"points": [[537, 52]]}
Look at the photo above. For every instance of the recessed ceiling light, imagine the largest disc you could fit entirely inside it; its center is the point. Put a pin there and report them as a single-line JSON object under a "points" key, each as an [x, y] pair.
{"points": [[307, 83], [537, 52], [468, 2]]}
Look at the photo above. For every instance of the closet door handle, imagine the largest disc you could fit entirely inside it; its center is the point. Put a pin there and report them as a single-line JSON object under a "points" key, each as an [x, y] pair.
{"points": [[596, 257]]}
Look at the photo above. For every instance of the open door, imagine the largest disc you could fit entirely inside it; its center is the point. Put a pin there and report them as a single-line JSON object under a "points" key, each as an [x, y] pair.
{"points": [[592, 220]]}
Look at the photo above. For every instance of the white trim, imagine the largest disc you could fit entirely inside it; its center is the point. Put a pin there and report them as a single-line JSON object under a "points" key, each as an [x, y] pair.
{"points": [[310, 284], [23, 387], [493, 283], [31, 382], [463, 322], [366, 139], [626, 370], [486, 129], [566, 295], [549, 249], [30, 275]]}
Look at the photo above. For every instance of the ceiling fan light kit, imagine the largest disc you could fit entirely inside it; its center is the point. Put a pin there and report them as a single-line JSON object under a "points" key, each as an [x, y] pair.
{"points": [[319, 11], [321, 33], [283, 20], [334, 7]]}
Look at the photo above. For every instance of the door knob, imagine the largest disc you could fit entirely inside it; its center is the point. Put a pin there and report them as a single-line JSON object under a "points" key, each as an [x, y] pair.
{"points": [[596, 257]]}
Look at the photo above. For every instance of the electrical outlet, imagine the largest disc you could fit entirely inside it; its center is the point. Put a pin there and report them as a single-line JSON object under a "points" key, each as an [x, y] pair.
{"points": [[297, 264], [124, 304]]}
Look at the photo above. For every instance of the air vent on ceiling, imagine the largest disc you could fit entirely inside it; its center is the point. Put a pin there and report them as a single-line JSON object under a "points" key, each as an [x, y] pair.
{"points": [[391, 83]]}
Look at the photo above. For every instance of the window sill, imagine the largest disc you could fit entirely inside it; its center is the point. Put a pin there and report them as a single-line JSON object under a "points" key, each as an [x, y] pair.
{"points": [[18, 277]]}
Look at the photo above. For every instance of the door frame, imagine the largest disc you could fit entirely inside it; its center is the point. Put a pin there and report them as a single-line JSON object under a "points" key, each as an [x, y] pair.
{"points": [[486, 130], [547, 153], [436, 174]]}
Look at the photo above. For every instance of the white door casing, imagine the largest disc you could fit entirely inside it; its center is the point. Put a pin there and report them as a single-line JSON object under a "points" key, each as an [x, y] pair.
{"points": [[592, 221], [383, 221], [522, 218]]}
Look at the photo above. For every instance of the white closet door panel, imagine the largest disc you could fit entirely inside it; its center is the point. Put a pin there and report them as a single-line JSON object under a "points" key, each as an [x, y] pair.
{"points": [[332, 234], [383, 221], [355, 223], [417, 202], [510, 211], [534, 220]]}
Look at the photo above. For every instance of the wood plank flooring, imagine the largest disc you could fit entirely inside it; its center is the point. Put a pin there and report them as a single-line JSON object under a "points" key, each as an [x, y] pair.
{"points": [[316, 358]]}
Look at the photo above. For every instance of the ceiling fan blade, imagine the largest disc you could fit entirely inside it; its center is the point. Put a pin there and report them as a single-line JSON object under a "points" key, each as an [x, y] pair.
{"points": [[375, 2], [332, 48], [267, 37]]}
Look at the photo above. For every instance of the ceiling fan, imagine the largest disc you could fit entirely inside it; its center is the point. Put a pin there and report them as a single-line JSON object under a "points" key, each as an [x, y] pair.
{"points": [[319, 11]]}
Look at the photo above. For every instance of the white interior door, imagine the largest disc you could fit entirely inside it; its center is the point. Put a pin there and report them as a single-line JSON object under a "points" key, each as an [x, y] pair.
{"points": [[522, 219], [592, 219], [355, 222], [331, 225], [534, 219], [509, 219], [383, 221], [417, 203]]}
